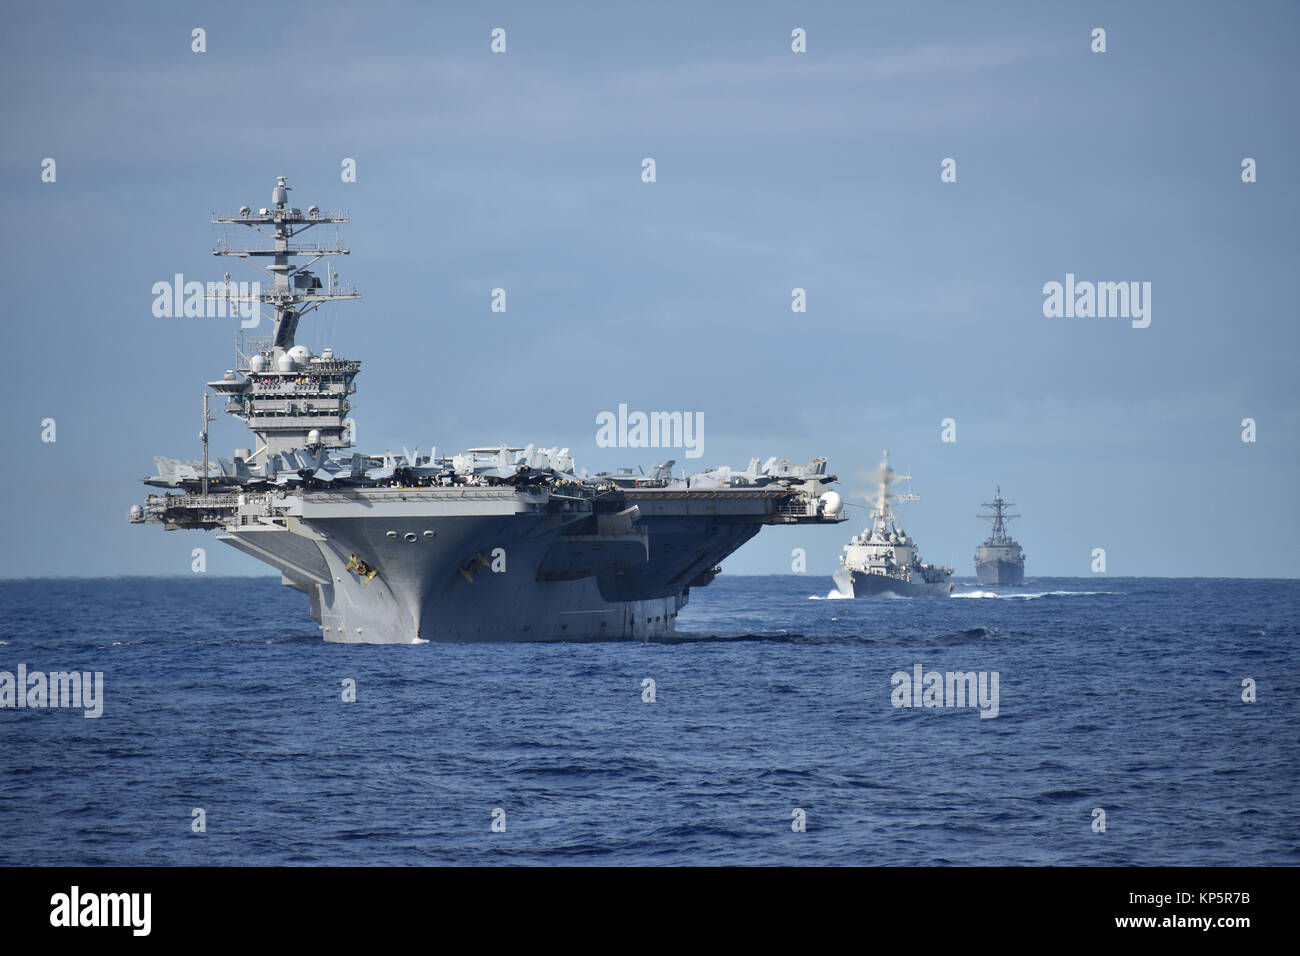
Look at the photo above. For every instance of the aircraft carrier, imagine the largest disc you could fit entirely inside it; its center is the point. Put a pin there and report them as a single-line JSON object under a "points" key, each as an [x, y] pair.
{"points": [[883, 559], [497, 543], [999, 560]]}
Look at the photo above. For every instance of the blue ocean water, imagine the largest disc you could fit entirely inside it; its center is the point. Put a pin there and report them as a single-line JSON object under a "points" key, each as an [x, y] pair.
{"points": [[1114, 693]]}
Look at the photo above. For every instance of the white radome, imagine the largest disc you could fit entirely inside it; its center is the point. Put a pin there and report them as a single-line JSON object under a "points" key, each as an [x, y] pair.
{"points": [[257, 364], [300, 354], [832, 503]]}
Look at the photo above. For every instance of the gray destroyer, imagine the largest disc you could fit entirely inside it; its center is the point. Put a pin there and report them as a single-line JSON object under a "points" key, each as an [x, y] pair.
{"points": [[883, 559], [497, 543], [999, 559]]}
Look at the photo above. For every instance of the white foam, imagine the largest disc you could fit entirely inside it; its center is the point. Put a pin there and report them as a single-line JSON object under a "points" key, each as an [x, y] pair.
{"points": [[1027, 596]]}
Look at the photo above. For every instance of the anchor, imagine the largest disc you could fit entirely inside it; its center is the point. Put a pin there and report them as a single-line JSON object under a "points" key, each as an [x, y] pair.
{"points": [[473, 566], [363, 570]]}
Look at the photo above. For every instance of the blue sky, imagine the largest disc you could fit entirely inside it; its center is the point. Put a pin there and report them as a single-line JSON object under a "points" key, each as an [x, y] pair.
{"points": [[775, 170]]}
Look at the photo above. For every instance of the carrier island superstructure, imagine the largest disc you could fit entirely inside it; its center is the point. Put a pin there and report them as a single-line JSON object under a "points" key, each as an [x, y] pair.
{"points": [[495, 543], [883, 559], [999, 560]]}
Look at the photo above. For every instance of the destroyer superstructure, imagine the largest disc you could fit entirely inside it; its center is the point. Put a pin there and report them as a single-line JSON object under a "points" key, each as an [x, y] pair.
{"points": [[999, 560], [494, 543], [883, 559]]}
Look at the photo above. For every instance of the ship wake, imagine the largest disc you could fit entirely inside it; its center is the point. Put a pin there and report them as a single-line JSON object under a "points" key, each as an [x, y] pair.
{"points": [[1028, 596]]}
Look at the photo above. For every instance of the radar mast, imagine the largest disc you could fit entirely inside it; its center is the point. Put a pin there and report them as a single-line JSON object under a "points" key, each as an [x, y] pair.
{"points": [[882, 514], [295, 290], [999, 516], [289, 398]]}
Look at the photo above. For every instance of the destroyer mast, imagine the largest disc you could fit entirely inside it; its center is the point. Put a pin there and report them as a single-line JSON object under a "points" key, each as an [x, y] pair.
{"points": [[883, 521]]}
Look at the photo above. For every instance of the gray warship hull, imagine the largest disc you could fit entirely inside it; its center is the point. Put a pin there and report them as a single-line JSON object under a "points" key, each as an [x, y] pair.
{"points": [[1000, 571], [492, 563], [861, 584]]}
